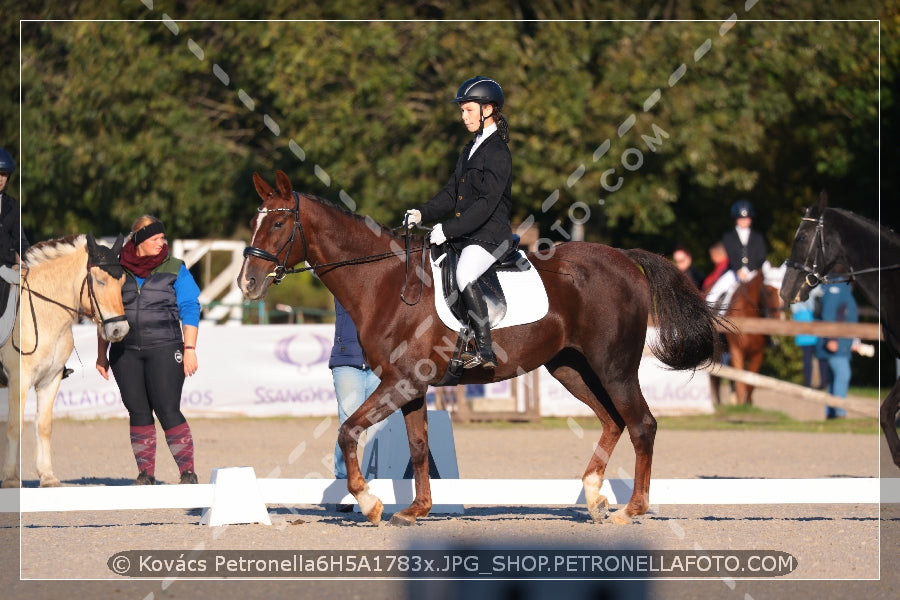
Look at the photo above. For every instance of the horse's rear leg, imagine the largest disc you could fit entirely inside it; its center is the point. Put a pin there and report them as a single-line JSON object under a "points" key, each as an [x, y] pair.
{"points": [[592, 479], [43, 426], [15, 417], [888, 419], [414, 414]]}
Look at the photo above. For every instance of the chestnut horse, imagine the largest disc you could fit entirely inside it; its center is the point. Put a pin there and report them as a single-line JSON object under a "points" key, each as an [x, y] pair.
{"points": [[831, 240], [61, 281], [591, 339], [753, 298]]}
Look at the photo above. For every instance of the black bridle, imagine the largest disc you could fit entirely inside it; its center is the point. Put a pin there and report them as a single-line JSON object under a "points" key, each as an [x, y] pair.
{"points": [[813, 276], [93, 302], [281, 266], [282, 269]]}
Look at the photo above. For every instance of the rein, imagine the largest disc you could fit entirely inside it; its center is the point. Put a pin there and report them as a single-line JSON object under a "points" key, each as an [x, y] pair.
{"points": [[813, 277], [282, 269]]}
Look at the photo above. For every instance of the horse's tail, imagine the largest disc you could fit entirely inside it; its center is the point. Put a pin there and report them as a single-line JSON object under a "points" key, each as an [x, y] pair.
{"points": [[687, 326]]}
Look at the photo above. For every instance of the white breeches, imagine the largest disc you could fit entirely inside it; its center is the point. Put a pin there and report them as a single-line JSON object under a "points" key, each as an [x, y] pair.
{"points": [[473, 262]]}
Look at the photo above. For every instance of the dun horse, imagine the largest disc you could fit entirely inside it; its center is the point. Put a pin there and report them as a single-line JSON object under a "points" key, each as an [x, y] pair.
{"points": [[591, 339], [61, 280], [836, 244], [753, 298]]}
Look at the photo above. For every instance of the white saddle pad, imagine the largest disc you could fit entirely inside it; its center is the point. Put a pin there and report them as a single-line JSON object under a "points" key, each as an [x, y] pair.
{"points": [[526, 298]]}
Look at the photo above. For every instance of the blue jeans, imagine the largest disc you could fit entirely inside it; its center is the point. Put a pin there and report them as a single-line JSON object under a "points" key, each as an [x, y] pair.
{"points": [[351, 386], [840, 375]]}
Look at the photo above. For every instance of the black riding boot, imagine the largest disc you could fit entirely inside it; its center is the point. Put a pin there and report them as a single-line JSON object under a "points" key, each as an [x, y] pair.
{"points": [[477, 310]]}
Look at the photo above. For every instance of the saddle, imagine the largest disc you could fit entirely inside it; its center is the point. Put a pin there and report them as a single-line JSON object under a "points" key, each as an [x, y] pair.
{"points": [[447, 257]]}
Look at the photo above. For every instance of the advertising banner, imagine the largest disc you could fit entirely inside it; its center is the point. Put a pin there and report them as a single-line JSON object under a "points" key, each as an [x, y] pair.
{"points": [[282, 370]]}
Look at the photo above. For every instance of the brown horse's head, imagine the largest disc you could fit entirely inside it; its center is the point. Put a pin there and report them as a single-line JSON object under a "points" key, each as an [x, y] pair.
{"points": [[103, 297], [272, 247]]}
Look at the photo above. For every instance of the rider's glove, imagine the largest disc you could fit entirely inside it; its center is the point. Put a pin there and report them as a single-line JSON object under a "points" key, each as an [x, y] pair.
{"points": [[415, 217], [437, 235]]}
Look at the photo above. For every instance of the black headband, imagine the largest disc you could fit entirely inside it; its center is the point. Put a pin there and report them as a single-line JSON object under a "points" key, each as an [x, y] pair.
{"points": [[148, 231]]}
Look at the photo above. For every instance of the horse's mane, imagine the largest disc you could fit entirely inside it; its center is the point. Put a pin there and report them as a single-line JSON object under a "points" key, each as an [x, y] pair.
{"points": [[50, 249], [869, 225], [367, 221]]}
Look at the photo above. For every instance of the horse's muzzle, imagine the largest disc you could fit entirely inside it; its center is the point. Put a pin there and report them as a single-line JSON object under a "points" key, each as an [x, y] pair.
{"points": [[115, 329]]}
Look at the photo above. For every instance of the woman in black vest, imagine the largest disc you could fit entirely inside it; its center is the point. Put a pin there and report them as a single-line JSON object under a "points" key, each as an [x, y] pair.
{"points": [[478, 200], [162, 305]]}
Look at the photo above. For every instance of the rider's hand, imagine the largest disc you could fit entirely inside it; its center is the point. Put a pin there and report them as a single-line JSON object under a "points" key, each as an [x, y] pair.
{"points": [[437, 235], [415, 217]]}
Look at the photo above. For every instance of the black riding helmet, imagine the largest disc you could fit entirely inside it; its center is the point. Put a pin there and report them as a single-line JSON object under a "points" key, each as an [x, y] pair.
{"points": [[480, 89]]}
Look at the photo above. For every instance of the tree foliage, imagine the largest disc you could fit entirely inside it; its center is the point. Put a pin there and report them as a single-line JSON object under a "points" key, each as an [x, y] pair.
{"points": [[171, 111]]}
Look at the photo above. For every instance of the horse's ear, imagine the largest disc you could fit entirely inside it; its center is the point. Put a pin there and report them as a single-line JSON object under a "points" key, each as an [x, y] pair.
{"points": [[262, 188], [91, 242], [823, 201], [284, 184], [117, 247]]}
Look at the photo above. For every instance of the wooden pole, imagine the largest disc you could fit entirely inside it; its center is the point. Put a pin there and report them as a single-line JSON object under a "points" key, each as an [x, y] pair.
{"points": [[865, 406], [863, 331]]}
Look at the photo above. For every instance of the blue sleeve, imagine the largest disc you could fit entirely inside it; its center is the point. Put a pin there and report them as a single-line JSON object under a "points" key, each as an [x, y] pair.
{"points": [[187, 294]]}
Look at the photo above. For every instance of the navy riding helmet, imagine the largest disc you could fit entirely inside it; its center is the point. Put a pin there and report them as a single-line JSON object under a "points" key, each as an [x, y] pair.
{"points": [[7, 164], [480, 89], [742, 208]]}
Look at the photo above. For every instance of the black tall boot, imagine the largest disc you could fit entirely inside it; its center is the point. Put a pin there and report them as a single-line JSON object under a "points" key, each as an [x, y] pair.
{"points": [[477, 310]]}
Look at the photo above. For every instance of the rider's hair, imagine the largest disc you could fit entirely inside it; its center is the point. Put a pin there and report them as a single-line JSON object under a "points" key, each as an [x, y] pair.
{"points": [[502, 125], [143, 221]]}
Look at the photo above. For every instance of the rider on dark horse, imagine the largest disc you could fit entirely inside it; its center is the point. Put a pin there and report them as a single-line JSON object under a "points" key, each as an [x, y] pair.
{"points": [[478, 200]]}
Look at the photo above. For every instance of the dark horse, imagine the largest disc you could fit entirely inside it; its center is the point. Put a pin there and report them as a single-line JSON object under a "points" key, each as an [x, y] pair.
{"points": [[832, 240], [591, 339], [753, 298]]}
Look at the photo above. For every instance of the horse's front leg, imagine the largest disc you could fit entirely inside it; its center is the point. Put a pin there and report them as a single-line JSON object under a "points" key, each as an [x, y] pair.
{"points": [[376, 408], [16, 415], [43, 428], [416, 418]]}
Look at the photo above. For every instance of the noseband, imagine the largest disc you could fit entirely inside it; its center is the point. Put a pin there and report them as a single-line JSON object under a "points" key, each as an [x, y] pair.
{"points": [[281, 266]]}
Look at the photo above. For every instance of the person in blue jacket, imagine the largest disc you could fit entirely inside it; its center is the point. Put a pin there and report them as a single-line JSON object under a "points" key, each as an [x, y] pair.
{"points": [[150, 365], [354, 380], [838, 305]]}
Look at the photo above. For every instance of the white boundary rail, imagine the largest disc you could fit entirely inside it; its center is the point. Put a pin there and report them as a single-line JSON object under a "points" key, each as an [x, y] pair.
{"points": [[471, 492]]}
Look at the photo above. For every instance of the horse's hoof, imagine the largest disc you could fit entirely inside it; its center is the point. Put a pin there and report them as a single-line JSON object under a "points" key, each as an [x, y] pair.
{"points": [[619, 518], [50, 482], [374, 515], [11, 483], [402, 520], [600, 511]]}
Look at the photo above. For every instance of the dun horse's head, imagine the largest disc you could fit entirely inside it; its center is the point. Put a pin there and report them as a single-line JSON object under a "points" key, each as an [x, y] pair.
{"points": [[103, 299], [276, 227], [807, 262]]}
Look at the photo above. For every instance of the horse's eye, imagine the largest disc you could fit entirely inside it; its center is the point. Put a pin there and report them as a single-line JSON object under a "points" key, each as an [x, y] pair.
{"points": [[278, 225]]}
